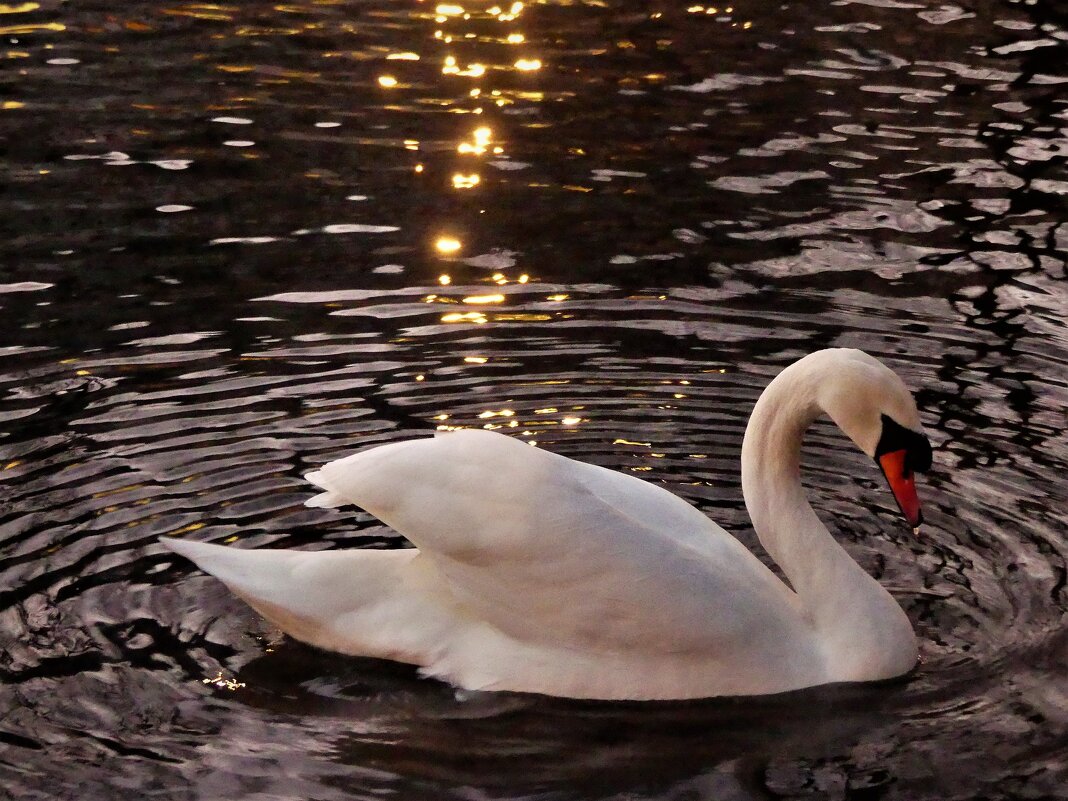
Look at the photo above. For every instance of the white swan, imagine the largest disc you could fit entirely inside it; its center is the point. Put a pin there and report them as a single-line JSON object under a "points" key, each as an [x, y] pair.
{"points": [[536, 573]]}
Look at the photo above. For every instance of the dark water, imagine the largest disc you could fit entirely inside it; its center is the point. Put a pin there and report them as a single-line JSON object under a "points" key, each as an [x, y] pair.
{"points": [[220, 268]]}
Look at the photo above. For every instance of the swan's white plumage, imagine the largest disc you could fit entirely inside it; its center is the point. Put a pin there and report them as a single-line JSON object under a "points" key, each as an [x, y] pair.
{"points": [[538, 573]]}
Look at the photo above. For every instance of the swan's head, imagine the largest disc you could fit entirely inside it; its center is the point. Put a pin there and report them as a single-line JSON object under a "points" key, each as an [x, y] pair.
{"points": [[874, 408]]}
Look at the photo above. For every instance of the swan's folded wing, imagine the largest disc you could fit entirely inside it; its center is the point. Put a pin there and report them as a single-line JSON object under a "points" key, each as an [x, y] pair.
{"points": [[542, 546]]}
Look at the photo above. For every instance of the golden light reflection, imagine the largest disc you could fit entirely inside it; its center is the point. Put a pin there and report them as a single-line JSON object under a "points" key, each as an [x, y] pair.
{"points": [[571, 421], [21, 8], [186, 529], [475, 359], [257, 30], [461, 181], [471, 71], [14, 30], [506, 16], [481, 140], [482, 299], [558, 297], [201, 11], [387, 81], [127, 488], [522, 318], [402, 57], [224, 683], [466, 317], [476, 98], [715, 11], [444, 280], [502, 413]]}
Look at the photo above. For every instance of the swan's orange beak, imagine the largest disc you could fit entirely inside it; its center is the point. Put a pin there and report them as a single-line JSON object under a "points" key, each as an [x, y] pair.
{"points": [[903, 484]]}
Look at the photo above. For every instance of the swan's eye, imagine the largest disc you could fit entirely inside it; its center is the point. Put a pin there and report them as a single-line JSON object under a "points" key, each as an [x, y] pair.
{"points": [[920, 455], [916, 448]]}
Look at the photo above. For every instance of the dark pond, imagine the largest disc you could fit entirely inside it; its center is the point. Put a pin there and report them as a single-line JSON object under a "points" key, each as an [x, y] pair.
{"points": [[242, 239]]}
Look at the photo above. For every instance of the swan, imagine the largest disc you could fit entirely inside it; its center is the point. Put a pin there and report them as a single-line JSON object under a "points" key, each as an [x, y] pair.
{"points": [[536, 573]]}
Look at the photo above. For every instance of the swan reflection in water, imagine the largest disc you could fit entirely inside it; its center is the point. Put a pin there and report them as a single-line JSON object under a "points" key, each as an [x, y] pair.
{"points": [[387, 726], [540, 574]]}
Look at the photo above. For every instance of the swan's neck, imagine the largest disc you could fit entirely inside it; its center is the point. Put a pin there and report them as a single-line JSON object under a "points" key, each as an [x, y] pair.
{"points": [[771, 482], [857, 620]]}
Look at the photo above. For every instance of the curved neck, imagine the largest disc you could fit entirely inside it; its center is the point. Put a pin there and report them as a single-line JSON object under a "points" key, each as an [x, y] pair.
{"points": [[828, 582], [771, 483], [862, 630]]}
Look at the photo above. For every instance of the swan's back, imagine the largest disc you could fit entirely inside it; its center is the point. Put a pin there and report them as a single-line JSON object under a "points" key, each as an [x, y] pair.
{"points": [[552, 552]]}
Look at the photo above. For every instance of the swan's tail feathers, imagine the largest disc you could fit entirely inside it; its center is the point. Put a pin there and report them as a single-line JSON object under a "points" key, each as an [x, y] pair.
{"points": [[249, 573], [331, 599], [324, 500]]}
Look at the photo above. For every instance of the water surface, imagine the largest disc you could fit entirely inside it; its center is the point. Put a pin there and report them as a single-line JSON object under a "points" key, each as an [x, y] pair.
{"points": [[242, 240]]}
